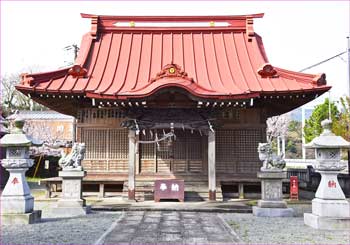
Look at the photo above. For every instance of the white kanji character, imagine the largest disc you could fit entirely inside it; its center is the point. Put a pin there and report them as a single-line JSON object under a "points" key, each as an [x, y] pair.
{"points": [[174, 187], [163, 187]]}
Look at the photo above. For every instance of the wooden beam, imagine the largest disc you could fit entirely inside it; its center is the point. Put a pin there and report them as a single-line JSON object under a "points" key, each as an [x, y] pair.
{"points": [[211, 166], [131, 173]]}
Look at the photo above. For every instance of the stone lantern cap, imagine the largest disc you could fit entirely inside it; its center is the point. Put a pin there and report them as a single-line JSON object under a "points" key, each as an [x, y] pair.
{"points": [[16, 137], [328, 139]]}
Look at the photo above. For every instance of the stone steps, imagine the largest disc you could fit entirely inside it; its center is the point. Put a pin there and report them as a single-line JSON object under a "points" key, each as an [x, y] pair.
{"points": [[194, 191]]}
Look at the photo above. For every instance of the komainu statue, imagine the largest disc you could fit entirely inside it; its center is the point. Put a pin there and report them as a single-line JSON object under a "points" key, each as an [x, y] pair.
{"points": [[271, 160], [73, 159]]}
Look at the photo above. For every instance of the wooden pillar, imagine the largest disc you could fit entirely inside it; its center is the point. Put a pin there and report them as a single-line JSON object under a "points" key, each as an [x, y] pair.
{"points": [[131, 177], [101, 193], [240, 191], [211, 166], [137, 155]]}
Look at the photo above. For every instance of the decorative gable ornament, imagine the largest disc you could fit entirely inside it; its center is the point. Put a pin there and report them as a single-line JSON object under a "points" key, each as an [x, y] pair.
{"points": [[320, 79], [267, 70], [172, 71], [77, 71]]}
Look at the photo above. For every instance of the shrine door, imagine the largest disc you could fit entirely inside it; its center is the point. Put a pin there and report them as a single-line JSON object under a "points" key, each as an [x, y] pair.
{"points": [[184, 155]]}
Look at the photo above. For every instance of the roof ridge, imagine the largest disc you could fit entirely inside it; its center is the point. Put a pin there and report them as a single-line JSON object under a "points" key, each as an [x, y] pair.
{"points": [[174, 18], [103, 23]]}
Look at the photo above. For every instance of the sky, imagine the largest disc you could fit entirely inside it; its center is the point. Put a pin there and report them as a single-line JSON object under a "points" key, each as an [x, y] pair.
{"points": [[296, 34]]}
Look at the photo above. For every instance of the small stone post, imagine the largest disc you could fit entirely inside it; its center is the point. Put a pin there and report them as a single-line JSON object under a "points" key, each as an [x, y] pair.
{"points": [[71, 202], [16, 200], [330, 209], [271, 175]]}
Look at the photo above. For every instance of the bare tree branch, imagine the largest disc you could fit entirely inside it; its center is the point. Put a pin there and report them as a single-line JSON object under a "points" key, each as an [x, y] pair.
{"points": [[277, 126]]}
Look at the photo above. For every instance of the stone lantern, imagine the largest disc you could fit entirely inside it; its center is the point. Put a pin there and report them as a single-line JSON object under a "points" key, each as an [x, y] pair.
{"points": [[16, 201], [330, 209]]}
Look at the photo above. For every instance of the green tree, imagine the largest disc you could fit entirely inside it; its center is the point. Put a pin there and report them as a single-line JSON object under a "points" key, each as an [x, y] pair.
{"points": [[293, 146], [343, 126], [313, 126]]}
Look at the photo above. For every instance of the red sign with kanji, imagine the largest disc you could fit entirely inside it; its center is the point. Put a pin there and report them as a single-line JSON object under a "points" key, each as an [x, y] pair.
{"points": [[15, 181], [169, 189], [332, 184], [294, 188]]}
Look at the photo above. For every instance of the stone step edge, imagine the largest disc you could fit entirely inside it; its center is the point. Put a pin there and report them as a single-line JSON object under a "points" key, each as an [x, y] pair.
{"points": [[208, 210]]}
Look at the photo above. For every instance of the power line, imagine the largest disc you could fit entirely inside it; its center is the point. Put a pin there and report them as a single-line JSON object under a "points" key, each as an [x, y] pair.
{"points": [[323, 61]]}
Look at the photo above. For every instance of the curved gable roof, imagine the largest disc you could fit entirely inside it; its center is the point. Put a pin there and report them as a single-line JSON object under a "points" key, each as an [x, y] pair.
{"points": [[132, 61]]}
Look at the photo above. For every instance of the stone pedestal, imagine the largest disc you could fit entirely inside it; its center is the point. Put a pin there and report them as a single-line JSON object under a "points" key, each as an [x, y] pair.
{"points": [[330, 209], [271, 203], [71, 202], [16, 201]]}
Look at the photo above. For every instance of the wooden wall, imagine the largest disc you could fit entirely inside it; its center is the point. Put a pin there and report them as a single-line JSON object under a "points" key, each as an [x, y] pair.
{"points": [[236, 145], [106, 142]]}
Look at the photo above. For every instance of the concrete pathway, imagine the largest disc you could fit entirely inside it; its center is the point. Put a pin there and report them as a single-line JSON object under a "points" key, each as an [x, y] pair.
{"points": [[170, 227]]}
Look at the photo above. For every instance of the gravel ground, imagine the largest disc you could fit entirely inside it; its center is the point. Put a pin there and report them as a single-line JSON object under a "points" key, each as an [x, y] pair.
{"points": [[258, 230], [250, 229], [79, 230]]}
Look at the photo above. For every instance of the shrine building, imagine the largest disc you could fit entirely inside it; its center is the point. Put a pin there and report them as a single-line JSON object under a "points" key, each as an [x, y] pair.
{"points": [[172, 97]]}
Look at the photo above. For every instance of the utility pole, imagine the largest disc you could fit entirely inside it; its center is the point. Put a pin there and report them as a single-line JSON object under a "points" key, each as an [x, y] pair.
{"points": [[70, 48], [303, 150], [348, 64], [349, 93]]}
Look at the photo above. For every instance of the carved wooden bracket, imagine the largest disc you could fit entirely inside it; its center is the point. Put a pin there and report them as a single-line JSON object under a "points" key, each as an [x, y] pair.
{"points": [[250, 29], [94, 26], [320, 79], [26, 79], [267, 70], [77, 71], [172, 70]]}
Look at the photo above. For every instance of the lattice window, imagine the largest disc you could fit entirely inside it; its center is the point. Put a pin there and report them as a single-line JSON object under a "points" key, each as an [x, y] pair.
{"points": [[105, 143], [194, 146], [225, 145], [180, 149], [248, 167], [147, 150], [247, 142], [96, 143], [118, 144], [236, 150], [163, 150]]}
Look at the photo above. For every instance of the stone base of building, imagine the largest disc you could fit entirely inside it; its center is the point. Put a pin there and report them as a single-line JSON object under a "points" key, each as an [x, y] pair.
{"points": [[65, 212], [273, 212], [21, 219], [327, 223]]}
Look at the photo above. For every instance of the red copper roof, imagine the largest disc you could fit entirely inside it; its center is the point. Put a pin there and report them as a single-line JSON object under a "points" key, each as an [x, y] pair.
{"points": [[219, 62]]}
